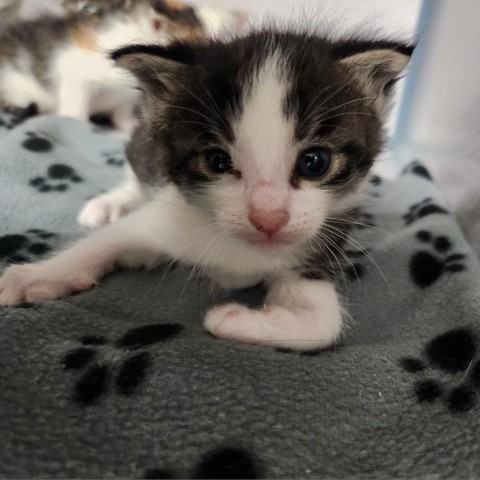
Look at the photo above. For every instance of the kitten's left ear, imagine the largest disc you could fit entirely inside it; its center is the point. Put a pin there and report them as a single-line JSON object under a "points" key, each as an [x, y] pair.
{"points": [[377, 66], [157, 68]]}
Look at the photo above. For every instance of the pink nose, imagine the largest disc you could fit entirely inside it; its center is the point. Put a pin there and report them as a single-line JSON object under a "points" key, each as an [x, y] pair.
{"points": [[269, 221]]}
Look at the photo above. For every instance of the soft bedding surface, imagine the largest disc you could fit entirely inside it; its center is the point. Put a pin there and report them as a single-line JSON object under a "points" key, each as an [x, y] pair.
{"points": [[122, 381]]}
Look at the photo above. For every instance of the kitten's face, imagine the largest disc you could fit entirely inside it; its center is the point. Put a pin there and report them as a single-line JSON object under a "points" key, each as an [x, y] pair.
{"points": [[273, 135]]}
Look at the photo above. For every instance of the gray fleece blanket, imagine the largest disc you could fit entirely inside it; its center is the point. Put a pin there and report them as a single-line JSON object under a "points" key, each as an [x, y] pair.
{"points": [[122, 381]]}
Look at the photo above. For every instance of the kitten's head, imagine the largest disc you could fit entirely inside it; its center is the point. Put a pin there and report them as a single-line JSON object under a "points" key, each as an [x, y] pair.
{"points": [[174, 17], [274, 132]]}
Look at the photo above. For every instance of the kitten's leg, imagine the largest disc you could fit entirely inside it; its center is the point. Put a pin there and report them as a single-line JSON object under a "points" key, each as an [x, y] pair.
{"points": [[134, 241], [111, 206], [74, 99], [299, 314]]}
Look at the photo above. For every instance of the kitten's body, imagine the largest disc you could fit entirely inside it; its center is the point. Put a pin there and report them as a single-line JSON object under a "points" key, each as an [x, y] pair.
{"points": [[61, 64], [253, 154], [8, 12]]}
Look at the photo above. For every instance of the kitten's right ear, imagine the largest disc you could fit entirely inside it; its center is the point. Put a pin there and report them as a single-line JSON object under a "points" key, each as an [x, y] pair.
{"points": [[156, 67]]}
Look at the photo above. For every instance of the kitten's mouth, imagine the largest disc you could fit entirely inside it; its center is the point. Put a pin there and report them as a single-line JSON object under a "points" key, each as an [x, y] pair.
{"points": [[270, 241]]}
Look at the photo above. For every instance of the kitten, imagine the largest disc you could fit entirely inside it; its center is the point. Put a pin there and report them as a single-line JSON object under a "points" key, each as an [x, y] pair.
{"points": [[253, 153], [95, 7], [8, 12], [60, 66]]}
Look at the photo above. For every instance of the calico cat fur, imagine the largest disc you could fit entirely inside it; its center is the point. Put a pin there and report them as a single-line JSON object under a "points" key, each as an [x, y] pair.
{"points": [[251, 156], [61, 65]]}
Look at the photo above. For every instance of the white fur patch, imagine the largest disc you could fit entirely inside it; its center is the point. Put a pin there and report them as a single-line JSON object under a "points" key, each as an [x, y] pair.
{"points": [[19, 87], [264, 145]]}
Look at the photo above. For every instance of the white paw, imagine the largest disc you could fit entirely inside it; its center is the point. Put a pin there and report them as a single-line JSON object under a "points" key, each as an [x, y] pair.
{"points": [[273, 326], [106, 208], [34, 283], [219, 318]]}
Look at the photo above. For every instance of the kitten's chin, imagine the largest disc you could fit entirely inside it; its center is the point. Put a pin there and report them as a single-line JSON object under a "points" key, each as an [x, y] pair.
{"points": [[270, 243]]}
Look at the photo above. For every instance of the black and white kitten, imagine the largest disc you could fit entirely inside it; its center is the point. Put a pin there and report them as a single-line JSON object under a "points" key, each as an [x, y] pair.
{"points": [[252, 154]]}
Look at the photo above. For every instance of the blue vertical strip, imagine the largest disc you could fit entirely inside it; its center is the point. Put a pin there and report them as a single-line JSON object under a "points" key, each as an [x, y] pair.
{"points": [[428, 11]]}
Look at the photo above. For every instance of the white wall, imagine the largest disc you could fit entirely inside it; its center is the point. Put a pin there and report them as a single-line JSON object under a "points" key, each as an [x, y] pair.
{"points": [[442, 122]]}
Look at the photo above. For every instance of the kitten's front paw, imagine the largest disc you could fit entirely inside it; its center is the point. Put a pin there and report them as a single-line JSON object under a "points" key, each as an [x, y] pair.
{"points": [[274, 326], [34, 283], [107, 208], [218, 318]]}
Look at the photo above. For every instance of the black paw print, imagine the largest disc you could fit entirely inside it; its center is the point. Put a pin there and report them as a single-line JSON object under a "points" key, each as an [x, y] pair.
{"points": [[354, 270], [20, 247], [114, 158], [7, 122], [128, 376], [426, 267], [375, 182], [422, 209], [36, 143], [58, 179], [225, 462], [416, 168], [454, 354]]}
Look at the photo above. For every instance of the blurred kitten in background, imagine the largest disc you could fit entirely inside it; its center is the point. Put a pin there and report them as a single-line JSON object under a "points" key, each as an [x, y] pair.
{"points": [[59, 64], [9, 11]]}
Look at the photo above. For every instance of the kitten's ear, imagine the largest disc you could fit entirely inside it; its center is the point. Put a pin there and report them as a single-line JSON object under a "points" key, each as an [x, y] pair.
{"points": [[156, 67], [377, 66]]}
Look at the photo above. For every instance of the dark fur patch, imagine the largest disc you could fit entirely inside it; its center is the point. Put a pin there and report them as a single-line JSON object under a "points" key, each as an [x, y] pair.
{"points": [[358, 162], [321, 264], [177, 52], [345, 48], [177, 12]]}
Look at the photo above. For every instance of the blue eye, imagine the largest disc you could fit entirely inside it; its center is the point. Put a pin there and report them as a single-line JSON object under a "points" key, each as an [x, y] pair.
{"points": [[218, 161], [314, 162]]}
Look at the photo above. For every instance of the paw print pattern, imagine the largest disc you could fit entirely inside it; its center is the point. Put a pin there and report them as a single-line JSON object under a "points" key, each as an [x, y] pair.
{"points": [[7, 122], [26, 246], [422, 209], [375, 182], [13, 116], [38, 143], [426, 267], [417, 168], [454, 354], [354, 270], [58, 179], [225, 462], [98, 373], [114, 158]]}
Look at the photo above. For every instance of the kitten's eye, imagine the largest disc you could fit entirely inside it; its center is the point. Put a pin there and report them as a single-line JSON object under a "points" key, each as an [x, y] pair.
{"points": [[219, 161], [314, 162]]}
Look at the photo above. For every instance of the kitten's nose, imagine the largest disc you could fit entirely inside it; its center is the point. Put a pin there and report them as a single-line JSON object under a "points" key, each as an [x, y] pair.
{"points": [[269, 221]]}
